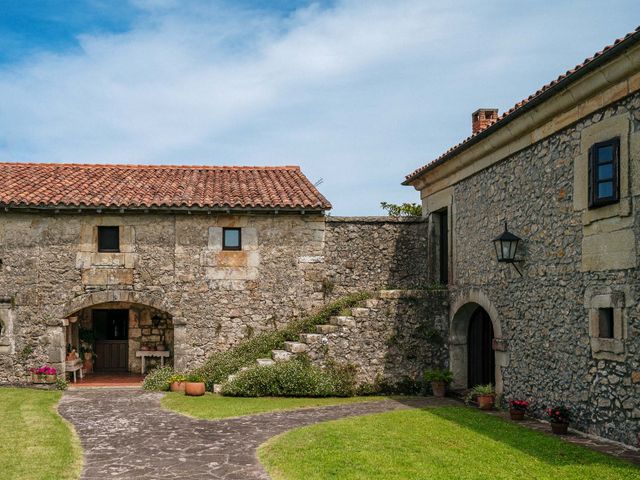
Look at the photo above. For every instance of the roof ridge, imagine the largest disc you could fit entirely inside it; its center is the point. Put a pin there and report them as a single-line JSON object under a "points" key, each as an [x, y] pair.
{"points": [[153, 166], [561, 79]]}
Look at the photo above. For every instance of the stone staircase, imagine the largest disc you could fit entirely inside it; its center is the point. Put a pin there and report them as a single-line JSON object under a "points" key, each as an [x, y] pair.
{"points": [[339, 323], [363, 334]]}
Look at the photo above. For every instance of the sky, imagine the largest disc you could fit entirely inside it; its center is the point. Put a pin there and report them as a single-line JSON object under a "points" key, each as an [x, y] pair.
{"points": [[359, 93]]}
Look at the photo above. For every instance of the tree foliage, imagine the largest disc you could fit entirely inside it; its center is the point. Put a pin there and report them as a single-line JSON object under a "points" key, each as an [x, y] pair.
{"points": [[402, 210]]}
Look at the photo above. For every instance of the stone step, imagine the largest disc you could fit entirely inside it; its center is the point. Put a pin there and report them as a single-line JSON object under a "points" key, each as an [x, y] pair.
{"points": [[360, 312], [372, 303], [310, 338], [324, 329], [281, 355], [217, 388], [265, 362], [343, 321], [295, 347]]}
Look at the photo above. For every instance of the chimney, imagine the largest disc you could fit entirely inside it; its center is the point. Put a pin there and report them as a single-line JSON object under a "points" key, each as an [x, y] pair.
{"points": [[482, 118]]}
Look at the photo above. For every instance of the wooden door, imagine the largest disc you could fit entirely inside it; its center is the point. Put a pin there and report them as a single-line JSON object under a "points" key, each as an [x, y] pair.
{"points": [[480, 356], [111, 331], [112, 355]]}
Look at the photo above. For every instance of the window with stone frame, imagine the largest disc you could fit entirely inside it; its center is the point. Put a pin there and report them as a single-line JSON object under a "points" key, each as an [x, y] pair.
{"points": [[607, 328], [604, 173], [231, 238], [108, 239]]}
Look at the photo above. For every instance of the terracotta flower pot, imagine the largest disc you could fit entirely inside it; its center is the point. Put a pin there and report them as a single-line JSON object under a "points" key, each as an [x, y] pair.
{"points": [[516, 414], [50, 378], [177, 386], [559, 428], [485, 402], [439, 389], [194, 389]]}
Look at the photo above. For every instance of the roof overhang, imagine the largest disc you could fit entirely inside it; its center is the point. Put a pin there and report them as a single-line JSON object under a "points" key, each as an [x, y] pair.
{"points": [[615, 71]]}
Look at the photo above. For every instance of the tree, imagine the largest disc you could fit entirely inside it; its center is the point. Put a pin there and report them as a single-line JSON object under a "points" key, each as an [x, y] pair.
{"points": [[404, 210]]}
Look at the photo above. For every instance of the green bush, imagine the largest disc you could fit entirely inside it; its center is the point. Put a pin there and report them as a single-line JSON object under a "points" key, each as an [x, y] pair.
{"points": [[404, 386], [438, 375], [222, 364], [158, 379], [295, 378]]}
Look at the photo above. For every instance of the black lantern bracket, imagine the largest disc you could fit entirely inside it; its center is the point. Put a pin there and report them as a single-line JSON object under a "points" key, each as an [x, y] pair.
{"points": [[506, 245]]}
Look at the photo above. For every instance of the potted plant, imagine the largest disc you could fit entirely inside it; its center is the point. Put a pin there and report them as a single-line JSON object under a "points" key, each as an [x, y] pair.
{"points": [[86, 349], [44, 374], [559, 417], [194, 386], [177, 383], [517, 409], [485, 395], [439, 380]]}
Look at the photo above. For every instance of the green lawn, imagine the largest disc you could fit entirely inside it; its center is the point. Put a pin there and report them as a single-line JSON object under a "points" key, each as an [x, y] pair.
{"points": [[438, 443], [216, 406], [35, 442]]}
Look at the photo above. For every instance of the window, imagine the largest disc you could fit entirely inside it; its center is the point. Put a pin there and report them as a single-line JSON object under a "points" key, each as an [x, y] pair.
{"points": [[604, 173], [108, 239], [231, 239], [605, 322]]}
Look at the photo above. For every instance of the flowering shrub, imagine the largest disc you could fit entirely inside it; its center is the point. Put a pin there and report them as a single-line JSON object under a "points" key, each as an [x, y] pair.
{"points": [[44, 370], [559, 414], [520, 405]]}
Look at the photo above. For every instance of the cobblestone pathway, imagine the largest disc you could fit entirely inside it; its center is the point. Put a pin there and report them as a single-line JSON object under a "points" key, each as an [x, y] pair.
{"points": [[125, 434]]}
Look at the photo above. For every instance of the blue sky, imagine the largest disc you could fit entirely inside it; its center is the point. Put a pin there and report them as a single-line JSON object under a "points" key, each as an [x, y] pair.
{"points": [[359, 93]]}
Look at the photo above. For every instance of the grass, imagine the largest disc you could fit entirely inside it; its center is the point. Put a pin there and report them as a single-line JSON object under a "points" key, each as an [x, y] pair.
{"points": [[35, 442], [212, 406], [442, 443]]}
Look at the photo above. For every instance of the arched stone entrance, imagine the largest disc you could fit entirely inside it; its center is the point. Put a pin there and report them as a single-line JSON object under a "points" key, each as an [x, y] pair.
{"points": [[150, 323], [475, 344]]}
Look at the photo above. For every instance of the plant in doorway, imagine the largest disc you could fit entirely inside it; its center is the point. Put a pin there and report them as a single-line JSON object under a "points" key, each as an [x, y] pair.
{"points": [[559, 417], [517, 409], [485, 395], [194, 386], [439, 380]]}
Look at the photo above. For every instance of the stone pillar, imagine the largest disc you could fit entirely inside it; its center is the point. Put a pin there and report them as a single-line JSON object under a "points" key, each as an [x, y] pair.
{"points": [[7, 318], [180, 345], [56, 344]]}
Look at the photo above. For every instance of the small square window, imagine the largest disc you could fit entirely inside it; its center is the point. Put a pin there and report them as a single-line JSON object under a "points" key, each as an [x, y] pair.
{"points": [[604, 175], [605, 322], [231, 239], [108, 239]]}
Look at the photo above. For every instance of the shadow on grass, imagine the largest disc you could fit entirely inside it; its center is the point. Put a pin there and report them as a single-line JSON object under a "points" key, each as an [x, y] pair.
{"points": [[544, 448]]}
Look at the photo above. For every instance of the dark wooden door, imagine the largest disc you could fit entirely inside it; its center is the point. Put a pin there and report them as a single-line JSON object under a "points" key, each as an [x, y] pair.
{"points": [[480, 356], [112, 355], [111, 331]]}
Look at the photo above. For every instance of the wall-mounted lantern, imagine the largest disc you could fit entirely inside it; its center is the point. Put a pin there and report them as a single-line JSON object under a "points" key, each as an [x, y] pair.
{"points": [[506, 246]]}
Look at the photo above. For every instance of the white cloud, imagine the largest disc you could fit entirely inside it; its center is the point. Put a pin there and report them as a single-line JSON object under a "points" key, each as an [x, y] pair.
{"points": [[359, 94]]}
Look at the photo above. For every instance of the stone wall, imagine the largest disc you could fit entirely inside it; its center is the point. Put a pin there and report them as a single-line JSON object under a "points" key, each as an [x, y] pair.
{"points": [[397, 334], [290, 264], [373, 253], [550, 355]]}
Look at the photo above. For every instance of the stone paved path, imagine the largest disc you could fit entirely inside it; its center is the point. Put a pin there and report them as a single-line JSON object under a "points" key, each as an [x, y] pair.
{"points": [[125, 434]]}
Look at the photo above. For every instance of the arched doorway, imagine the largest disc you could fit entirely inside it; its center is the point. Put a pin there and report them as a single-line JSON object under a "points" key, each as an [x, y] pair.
{"points": [[481, 364], [477, 351]]}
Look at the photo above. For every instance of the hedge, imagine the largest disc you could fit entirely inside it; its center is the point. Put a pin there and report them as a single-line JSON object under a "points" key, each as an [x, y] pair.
{"points": [[295, 378]]}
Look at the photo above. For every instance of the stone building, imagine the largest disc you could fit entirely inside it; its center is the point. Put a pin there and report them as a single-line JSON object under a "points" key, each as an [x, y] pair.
{"points": [[182, 260], [561, 171]]}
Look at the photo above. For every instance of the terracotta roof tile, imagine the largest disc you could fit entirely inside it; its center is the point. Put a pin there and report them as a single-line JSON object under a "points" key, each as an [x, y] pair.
{"points": [[565, 78], [156, 186]]}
